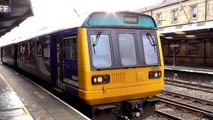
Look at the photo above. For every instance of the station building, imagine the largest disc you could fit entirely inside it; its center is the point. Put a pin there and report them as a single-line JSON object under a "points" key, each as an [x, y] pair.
{"points": [[186, 30]]}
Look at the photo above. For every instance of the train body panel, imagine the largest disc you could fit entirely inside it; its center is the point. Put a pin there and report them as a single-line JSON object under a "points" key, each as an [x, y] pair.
{"points": [[102, 62], [134, 80], [8, 55]]}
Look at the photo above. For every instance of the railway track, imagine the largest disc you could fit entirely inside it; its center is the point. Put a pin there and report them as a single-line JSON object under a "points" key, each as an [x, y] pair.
{"points": [[166, 115], [190, 85], [191, 104]]}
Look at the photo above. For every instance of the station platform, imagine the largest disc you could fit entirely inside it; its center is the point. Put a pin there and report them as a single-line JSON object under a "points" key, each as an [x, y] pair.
{"points": [[21, 99], [202, 70]]}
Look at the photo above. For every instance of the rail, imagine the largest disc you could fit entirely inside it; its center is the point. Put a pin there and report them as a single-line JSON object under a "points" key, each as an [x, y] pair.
{"points": [[188, 102]]}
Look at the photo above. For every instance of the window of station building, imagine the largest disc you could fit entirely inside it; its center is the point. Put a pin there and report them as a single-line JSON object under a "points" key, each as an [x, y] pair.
{"points": [[194, 11], [159, 18], [70, 47], [174, 47], [46, 47], [174, 15], [193, 48]]}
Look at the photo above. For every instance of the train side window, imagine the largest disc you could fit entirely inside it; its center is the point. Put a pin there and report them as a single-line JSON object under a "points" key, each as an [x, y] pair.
{"points": [[46, 47], [70, 47], [32, 46], [211, 48], [18, 53], [23, 51], [28, 51], [38, 49]]}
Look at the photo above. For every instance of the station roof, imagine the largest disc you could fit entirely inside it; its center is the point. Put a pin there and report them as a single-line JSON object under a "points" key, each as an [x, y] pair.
{"points": [[12, 13], [188, 31], [161, 5]]}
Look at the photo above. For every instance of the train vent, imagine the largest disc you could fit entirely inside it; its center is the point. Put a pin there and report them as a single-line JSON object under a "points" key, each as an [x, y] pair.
{"points": [[118, 77]]}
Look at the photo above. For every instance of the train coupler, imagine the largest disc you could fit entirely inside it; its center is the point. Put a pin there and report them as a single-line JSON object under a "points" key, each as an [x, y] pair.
{"points": [[133, 108], [105, 112], [139, 108]]}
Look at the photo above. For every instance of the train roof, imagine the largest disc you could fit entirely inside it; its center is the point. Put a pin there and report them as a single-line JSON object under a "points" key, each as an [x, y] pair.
{"points": [[119, 19], [100, 19]]}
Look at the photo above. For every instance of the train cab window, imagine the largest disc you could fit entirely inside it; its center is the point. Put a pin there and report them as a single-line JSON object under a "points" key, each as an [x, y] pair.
{"points": [[127, 49], [46, 47], [38, 48], [70, 47], [101, 55], [150, 49]]}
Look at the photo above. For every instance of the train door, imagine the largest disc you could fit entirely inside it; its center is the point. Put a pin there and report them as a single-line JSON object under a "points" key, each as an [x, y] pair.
{"points": [[56, 64], [59, 64], [69, 63]]}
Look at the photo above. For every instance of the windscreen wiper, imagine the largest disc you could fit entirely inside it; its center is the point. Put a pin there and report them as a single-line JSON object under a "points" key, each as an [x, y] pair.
{"points": [[151, 40], [95, 42]]}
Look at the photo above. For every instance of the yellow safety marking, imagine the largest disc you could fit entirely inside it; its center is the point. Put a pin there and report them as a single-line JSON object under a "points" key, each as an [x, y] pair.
{"points": [[39, 95], [6, 82], [25, 110]]}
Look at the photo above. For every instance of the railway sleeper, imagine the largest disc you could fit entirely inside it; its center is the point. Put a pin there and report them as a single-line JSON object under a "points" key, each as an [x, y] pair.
{"points": [[126, 110]]}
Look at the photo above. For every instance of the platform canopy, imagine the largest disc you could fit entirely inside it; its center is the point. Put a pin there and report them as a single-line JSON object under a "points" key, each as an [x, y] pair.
{"points": [[12, 13], [188, 31]]}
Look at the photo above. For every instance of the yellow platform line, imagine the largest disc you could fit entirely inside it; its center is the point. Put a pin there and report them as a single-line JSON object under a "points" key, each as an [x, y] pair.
{"points": [[26, 112], [6, 82]]}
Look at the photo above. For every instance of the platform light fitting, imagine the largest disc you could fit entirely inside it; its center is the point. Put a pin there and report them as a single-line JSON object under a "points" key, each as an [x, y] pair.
{"points": [[180, 33], [169, 37], [190, 36]]}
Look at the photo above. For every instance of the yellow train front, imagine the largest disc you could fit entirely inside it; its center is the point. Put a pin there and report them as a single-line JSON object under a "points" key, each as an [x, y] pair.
{"points": [[120, 63]]}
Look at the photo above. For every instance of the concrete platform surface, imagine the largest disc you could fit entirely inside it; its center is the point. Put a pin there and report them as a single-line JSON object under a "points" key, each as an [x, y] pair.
{"points": [[11, 107], [21, 99]]}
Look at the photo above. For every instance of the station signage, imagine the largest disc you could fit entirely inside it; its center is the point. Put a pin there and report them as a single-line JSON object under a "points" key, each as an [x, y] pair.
{"points": [[4, 9], [174, 45]]}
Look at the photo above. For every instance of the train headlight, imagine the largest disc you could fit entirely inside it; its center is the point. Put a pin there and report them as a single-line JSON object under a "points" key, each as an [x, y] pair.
{"points": [[154, 74], [100, 79]]}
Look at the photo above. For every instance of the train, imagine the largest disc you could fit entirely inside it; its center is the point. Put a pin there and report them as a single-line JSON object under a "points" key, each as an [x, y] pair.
{"points": [[112, 62]]}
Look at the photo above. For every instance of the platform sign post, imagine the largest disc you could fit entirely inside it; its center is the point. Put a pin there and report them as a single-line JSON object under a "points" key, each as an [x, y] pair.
{"points": [[174, 53]]}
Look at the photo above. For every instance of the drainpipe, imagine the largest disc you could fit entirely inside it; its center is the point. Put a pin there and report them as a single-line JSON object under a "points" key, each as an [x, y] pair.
{"points": [[204, 51], [206, 10]]}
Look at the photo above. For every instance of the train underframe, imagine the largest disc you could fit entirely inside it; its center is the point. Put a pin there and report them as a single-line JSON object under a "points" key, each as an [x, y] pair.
{"points": [[126, 110]]}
